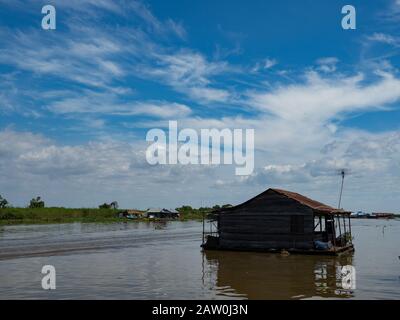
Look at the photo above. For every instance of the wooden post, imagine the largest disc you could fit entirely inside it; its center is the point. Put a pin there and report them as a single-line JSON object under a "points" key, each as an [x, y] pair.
{"points": [[203, 227], [351, 236], [334, 233]]}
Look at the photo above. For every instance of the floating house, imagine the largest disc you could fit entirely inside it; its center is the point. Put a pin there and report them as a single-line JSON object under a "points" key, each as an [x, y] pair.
{"points": [[382, 215], [277, 220], [132, 214], [360, 215], [157, 213], [375, 215]]}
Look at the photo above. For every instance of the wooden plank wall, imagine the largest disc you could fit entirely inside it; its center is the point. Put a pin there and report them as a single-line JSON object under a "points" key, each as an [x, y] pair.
{"points": [[264, 223]]}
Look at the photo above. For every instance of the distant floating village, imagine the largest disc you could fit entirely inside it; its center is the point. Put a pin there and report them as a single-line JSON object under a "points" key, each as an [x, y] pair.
{"points": [[374, 215], [152, 213]]}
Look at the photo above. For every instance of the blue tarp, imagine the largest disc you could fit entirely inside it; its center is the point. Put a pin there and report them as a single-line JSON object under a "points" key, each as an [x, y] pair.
{"points": [[319, 245]]}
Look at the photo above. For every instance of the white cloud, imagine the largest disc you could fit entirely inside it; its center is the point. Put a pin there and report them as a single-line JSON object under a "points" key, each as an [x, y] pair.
{"points": [[327, 64], [371, 161], [209, 94], [269, 63], [189, 68], [93, 9], [88, 60], [90, 173], [384, 38], [90, 51], [266, 64], [300, 150], [101, 57], [322, 99], [190, 73], [299, 138], [397, 2], [177, 28], [109, 104], [168, 26], [162, 110], [9, 93]]}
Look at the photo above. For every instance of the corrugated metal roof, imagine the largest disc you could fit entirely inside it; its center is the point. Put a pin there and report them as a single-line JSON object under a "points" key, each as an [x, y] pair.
{"points": [[154, 210], [159, 210], [134, 211]]}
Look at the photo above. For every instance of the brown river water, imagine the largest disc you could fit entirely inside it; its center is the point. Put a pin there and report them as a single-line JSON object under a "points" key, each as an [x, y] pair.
{"points": [[164, 261]]}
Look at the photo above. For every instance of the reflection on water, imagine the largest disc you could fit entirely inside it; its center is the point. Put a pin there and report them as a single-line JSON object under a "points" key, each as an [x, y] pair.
{"points": [[164, 261], [375, 265], [272, 276]]}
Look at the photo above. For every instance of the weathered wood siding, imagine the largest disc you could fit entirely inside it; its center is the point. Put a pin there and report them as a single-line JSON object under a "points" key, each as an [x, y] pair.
{"points": [[265, 223]]}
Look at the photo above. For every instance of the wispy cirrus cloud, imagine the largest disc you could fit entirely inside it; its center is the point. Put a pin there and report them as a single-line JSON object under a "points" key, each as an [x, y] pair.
{"points": [[190, 73], [95, 9], [327, 64], [106, 104], [384, 38], [85, 60], [392, 12], [266, 64], [102, 57]]}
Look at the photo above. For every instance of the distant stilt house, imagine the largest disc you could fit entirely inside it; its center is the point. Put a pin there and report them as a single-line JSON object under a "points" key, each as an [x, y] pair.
{"points": [[132, 214], [279, 220], [381, 215], [157, 213]]}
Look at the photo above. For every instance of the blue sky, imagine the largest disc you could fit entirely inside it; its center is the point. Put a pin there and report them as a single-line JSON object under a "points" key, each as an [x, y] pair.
{"points": [[76, 102]]}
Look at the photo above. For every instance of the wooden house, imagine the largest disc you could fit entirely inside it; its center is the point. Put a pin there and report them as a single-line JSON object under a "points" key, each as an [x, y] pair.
{"points": [[382, 215], [157, 213], [132, 214], [277, 220]]}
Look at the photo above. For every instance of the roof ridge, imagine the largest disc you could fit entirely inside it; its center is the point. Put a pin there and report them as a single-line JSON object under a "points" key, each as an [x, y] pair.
{"points": [[299, 198], [304, 200]]}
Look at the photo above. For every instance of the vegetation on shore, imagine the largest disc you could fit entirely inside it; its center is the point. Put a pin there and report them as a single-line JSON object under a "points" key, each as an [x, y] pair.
{"points": [[37, 213], [13, 216]]}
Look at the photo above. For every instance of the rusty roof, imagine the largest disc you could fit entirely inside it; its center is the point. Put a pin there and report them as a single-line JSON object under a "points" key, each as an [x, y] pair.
{"points": [[315, 205], [134, 211], [318, 207]]}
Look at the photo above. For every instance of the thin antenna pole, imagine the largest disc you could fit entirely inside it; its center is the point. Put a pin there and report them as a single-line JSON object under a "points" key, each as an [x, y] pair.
{"points": [[341, 190], [201, 204], [203, 229]]}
